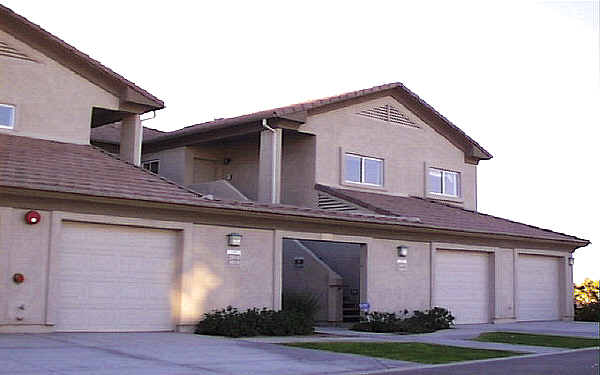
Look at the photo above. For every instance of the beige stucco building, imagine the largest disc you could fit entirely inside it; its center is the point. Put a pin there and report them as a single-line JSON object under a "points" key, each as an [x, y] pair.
{"points": [[115, 247]]}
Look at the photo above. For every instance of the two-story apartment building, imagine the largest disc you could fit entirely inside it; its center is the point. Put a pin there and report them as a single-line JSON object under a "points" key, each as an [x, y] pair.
{"points": [[92, 241], [380, 151]]}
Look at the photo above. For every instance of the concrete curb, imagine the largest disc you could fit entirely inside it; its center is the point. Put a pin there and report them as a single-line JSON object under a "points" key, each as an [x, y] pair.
{"points": [[424, 366]]}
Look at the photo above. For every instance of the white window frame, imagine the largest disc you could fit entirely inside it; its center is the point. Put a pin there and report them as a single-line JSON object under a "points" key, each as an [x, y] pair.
{"points": [[443, 172], [362, 169], [148, 162], [14, 115]]}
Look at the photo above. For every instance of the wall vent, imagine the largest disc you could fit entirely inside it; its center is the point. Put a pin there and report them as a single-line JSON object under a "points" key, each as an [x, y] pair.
{"points": [[388, 113], [327, 202], [7, 50]]}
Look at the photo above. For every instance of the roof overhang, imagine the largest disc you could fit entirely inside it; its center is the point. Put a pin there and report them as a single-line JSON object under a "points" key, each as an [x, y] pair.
{"points": [[299, 113], [254, 213], [77, 61]]}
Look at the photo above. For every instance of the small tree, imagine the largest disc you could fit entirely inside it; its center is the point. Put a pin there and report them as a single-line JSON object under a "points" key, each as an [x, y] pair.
{"points": [[587, 292]]}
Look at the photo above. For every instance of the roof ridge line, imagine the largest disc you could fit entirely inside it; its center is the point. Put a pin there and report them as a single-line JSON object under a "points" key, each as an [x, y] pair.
{"points": [[276, 110]]}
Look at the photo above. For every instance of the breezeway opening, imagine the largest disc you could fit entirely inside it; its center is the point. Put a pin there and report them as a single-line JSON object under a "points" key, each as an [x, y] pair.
{"points": [[334, 273]]}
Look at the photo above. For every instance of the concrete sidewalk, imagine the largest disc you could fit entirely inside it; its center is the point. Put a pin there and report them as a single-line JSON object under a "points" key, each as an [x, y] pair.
{"points": [[185, 354], [461, 336], [170, 353]]}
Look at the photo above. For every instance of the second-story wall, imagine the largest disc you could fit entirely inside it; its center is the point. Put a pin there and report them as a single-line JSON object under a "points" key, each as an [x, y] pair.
{"points": [[237, 161], [407, 151], [50, 101]]}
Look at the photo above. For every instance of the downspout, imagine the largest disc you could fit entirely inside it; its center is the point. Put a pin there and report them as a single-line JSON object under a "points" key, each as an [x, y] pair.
{"points": [[273, 163]]}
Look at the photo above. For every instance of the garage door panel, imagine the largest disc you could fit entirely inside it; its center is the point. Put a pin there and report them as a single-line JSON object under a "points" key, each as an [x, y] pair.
{"points": [[538, 293], [115, 278], [462, 285]]}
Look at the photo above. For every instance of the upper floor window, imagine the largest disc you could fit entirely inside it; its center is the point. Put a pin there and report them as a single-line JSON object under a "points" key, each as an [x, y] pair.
{"points": [[7, 116], [151, 165], [444, 182], [363, 170]]}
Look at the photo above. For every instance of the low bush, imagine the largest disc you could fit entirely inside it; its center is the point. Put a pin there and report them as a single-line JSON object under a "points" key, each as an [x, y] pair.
{"points": [[428, 321], [588, 313], [379, 322], [419, 322], [254, 322], [304, 303]]}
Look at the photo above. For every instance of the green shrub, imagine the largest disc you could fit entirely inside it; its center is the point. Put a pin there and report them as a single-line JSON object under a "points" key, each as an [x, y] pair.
{"points": [[588, 313], [304, 303], [419, 322], [253, 322], [380, 322], [428, 321]]}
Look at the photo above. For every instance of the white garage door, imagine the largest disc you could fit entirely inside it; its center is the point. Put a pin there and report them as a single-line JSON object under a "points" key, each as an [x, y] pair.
{"points": [[462, 285], [538, 293], [115, 278]]}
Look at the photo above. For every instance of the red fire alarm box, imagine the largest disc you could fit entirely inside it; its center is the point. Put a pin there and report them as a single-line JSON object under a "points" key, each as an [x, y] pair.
{"points": [[33, 217], [18, 278]]}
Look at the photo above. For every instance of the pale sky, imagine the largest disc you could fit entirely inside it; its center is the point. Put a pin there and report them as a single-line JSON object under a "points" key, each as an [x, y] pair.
{"points": [[522, 78]]}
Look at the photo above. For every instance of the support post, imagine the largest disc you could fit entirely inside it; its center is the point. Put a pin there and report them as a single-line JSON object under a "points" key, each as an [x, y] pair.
{"points": [[130, 147], [269, 166]]}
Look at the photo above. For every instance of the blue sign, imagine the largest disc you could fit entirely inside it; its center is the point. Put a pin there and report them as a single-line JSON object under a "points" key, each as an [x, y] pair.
{"points": [[365, 306]]}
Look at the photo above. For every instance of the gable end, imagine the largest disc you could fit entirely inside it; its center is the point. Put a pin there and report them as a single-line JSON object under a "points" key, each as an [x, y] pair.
{"points": [[7, 50]]}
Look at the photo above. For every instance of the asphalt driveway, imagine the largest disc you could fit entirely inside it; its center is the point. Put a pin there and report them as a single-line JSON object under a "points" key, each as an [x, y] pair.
{"points": [[168, 353], [178, 353]]}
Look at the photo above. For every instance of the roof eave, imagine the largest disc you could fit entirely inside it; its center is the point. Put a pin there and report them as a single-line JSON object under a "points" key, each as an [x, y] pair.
{"points": [[295, 216], [57, 49]]}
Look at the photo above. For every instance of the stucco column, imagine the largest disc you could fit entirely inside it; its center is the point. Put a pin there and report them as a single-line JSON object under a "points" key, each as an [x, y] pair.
{"points": [[567, 310], [269, 166], [130, 148]]}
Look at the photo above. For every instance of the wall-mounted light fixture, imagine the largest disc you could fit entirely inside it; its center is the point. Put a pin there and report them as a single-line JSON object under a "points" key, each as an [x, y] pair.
{"points": [[402, 251], [571, 261], [234, 239]]}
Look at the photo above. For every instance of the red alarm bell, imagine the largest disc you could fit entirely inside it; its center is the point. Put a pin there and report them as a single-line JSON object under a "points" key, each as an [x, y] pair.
{"points": [[18, 278], [33, 217]]}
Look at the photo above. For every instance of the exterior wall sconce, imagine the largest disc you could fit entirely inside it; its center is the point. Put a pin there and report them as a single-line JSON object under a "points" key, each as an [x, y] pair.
{"points": [[234, 239], [402, 251], [571, 261], [32, 217]]}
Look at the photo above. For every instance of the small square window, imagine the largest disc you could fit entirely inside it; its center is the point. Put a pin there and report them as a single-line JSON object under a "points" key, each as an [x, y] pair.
{"points": [[7, 116], [363, 170], [443, 182], [151, 165]]}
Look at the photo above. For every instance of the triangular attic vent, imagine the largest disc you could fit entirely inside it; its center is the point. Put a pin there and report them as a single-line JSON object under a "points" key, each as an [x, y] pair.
{"points": [[7, 50], [390, 114], [327, 202]]}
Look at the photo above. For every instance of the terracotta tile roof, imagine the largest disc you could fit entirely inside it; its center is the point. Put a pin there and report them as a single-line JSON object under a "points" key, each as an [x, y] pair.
{"points": [[315, 104], [63, 48], [440, 215], [111, 133], [37, 164], [65, 167]]}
